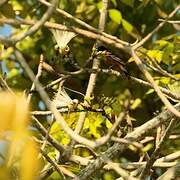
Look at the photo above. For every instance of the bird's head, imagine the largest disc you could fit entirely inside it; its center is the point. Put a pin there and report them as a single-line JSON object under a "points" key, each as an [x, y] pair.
{"points": [[101, 50], [62, 38]]}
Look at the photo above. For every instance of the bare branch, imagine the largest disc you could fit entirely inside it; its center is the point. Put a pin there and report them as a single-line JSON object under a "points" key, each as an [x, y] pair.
{"points": [[53, 163], [117, 148], [5, 86], [146, 38], [50, 139], [59, 118], [85, 25], [123, 173], [96, 63], [170, 21], [35, 27], [38, 75], [82, 32], [154, 155], [155, 86]]}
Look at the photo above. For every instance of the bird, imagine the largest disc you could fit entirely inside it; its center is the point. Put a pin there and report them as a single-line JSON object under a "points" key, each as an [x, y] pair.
{"points": [[63, 59], [113, 61], [62, 38], [62, 100]]}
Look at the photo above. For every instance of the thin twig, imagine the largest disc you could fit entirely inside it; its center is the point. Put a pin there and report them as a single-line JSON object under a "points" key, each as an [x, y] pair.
{"points": [[5, 86], [53, 163], [170, 21], [175, 97], [123, 173], [38, 75], [155, 86], [139, 81], [155, 154], [96, 63], [76, 30], [3, 2], [51, 106], [85, 25], [146, 38], [37, 25], [50, 139], [171, 173], [117, 148], [105, 138]]}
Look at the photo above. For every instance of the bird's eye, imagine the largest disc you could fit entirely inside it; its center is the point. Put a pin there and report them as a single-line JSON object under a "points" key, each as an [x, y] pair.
{"points": [[66, 49], [56, 47]]}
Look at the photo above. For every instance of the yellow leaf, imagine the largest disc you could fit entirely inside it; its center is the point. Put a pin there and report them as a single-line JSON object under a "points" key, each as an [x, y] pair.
{"points": [[156, 54]]}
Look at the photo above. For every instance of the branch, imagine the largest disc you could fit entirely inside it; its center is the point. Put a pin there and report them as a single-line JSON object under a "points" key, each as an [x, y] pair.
{"points": [[53, 163], [171, 22], [85, 33], [146, 38], [85, 25], [59, 118], [173, 96], [4, 85], [139, 81], [123, 173], [35, 27], [155, 86], [37, 77], [154, 155], [171, 173], [50, 139], [93, 76], [118, 148], [3, 2]]}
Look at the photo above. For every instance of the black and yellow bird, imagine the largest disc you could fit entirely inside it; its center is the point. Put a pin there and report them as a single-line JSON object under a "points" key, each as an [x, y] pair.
{"points": [[113, 62]]}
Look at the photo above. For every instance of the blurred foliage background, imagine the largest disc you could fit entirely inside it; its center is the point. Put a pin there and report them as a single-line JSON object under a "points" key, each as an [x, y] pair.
{"points": [[128, 20]]}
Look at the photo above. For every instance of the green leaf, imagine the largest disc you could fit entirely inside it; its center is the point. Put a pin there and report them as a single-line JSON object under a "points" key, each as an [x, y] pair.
{"points": [[127, 26], [136, 103], [175, 87], [147, 147], [128, 2], [17, 5], [108, 124], [7, 10], [150, 91], [114, 2], [115, 16], [100, 5], [12, 73], [93, 130], [145, 2]]}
